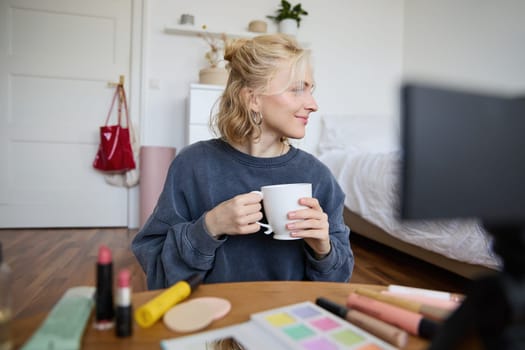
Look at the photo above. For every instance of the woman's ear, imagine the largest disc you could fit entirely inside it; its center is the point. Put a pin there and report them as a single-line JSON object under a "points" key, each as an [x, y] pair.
{"points": [[253, 101]]}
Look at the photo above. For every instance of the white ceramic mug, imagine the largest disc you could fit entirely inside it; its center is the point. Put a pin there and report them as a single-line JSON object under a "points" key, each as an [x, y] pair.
{"points": [[278, 201]]}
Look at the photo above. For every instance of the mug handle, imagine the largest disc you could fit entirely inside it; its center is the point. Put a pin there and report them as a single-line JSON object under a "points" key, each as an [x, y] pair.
{"points": [[269, 228]]}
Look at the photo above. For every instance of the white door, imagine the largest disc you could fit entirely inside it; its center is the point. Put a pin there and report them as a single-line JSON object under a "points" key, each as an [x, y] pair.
{"points": [[56, 58]]}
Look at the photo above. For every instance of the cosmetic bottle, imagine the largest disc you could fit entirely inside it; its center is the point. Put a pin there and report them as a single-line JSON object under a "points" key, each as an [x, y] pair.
{"points": [[124, 311], [5, 304]]}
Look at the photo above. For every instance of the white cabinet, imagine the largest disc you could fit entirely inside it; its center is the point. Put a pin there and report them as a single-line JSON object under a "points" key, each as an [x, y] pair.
{"points": [[203, 102]]}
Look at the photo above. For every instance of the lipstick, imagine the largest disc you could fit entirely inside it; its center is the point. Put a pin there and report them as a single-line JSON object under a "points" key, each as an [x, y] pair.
{"points": [[104, 294], [123, 326]]}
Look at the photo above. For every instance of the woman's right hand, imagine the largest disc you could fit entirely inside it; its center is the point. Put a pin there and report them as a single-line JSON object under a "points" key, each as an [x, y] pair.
{"points": [[236, 216]]}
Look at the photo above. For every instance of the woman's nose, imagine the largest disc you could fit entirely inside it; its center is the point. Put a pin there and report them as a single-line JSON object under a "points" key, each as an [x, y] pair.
{"points": [[311, 104]]}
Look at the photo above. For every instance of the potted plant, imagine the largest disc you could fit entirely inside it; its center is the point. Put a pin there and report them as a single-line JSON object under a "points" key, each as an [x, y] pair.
{"points": [[288, 15]]}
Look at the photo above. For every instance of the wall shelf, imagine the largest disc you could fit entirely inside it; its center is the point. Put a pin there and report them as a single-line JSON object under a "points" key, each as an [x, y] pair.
{"points": [[198, 31]]}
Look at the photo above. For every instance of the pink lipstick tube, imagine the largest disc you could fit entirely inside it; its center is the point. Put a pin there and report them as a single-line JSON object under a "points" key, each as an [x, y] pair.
{"points": [[104, 294]]}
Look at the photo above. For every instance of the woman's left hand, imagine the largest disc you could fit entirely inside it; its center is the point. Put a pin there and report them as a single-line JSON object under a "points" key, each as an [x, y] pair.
{"points": [[312, 227]]}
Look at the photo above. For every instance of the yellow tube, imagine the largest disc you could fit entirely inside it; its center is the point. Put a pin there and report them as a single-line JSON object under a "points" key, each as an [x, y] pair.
{"points": [[154, 309]]}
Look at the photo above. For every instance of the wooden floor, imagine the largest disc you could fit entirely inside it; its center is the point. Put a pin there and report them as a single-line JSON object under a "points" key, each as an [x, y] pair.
{"points": [[46, 262]]}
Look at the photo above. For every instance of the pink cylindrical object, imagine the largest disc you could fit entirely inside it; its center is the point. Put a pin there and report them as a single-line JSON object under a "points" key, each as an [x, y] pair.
{"points": [[154, 164], [401, 318]]}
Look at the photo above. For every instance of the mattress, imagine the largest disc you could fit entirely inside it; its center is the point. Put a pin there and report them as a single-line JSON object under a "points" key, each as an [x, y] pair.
{"points": [[369, 178]]}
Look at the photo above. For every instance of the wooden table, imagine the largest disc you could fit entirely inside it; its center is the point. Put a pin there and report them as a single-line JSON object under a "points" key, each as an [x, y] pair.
{"points": [[246, 298]]}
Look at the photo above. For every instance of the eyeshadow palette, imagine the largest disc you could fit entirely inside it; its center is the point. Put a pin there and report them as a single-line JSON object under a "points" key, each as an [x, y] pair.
{"points": [[303, 326], [307, 326]]}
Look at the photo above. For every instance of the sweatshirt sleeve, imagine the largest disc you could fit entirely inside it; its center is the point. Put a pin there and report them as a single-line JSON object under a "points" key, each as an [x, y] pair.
{"points": [[173, 244], [169, 252], [338, 265]]}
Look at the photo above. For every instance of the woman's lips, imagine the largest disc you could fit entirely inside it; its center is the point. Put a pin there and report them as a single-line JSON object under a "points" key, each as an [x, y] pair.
{"points": [[303, 119]]}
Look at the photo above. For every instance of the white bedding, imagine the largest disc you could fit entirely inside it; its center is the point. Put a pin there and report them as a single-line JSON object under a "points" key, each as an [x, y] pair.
{"points": [[369, 179]]}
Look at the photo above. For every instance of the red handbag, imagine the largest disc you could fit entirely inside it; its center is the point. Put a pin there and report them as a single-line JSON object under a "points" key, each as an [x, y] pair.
{"points": [[115, 154]]}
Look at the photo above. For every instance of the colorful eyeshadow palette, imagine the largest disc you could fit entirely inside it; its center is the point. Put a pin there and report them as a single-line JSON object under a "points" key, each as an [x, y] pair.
{"points": [[303, 326], [307, 326]]}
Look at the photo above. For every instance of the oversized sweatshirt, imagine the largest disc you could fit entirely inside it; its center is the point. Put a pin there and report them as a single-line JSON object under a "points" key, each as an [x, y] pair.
{"points": [[173, 244]]}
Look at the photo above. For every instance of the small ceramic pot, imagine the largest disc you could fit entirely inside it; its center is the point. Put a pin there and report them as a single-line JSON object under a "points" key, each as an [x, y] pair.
{"points": [[288, 26]]}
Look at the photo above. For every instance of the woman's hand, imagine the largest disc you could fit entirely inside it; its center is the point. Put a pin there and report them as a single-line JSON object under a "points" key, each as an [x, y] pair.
{"points": [[236, 216], [313, 228]]}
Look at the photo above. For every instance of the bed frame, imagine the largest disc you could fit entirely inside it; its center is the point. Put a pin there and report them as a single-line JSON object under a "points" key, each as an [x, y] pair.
{"points": [[366, 229]]}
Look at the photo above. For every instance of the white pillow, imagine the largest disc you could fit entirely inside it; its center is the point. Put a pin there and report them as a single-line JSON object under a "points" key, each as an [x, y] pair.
{"points": [[376, 134]]}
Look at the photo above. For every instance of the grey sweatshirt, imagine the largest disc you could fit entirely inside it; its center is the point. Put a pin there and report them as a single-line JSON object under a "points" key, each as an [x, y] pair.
{"points": [[173, 244]]}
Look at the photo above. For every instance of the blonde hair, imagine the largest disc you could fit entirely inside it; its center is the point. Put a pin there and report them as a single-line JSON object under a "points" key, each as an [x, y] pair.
{"points": [[252, 64]]}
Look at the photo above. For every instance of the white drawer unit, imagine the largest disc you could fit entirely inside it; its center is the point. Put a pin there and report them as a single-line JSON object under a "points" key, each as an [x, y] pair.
{"points": [[203, 102]]}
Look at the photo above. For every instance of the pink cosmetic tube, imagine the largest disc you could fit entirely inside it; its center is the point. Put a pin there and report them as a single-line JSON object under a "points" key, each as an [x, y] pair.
{"points": [[412, 322], [104, 308]]}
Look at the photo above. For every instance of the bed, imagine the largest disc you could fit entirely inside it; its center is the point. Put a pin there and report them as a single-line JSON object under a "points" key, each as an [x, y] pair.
{"points": [[363, 154]]}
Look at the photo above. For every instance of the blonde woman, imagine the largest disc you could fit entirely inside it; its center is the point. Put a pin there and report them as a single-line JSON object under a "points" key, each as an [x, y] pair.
{"points": [[205, 221]]}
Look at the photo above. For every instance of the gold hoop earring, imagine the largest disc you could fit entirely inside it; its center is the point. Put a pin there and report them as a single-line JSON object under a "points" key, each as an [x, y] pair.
{"points": [[257, 118]]}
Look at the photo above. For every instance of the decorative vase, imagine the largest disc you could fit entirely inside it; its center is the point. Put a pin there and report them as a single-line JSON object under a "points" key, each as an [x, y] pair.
{"points": [[288, 26], [257, 26], [213, 76]]}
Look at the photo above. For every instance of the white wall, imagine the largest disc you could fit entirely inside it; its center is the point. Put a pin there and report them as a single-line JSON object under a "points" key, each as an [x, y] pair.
{"points": [[356, 44], [362, 49], [471, 43]]}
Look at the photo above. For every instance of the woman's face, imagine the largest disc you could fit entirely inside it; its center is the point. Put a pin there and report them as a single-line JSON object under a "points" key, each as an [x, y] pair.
{"points": [[286, 108]]}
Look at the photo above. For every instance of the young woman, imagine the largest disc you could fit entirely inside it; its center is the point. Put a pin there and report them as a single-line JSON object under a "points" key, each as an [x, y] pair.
{"points": [[205, 221]]}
